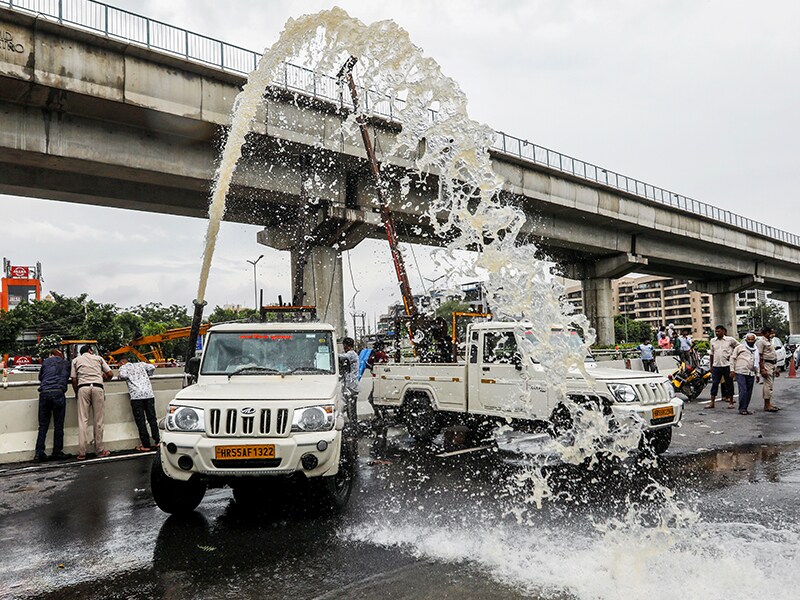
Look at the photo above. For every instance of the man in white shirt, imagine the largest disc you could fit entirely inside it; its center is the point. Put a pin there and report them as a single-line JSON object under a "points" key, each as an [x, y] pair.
{"points": [[722, 346], [137, 376]]}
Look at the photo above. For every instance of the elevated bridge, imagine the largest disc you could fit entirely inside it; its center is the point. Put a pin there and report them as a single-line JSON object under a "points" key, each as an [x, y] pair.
{"points": [[100, 106]]}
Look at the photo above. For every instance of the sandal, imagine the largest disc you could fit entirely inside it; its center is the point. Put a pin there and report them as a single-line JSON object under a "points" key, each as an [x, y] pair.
{"points": [[772, 409], [745, 412], [142, 449], [103, 454], [80, 457]]}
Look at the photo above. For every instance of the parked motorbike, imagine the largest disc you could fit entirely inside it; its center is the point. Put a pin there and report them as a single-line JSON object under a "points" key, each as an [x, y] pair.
{"points": [[688, 379]]}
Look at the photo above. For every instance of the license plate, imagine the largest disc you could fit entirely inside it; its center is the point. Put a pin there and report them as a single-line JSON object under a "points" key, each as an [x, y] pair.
{"points": [[244, 452], [659, 413]]}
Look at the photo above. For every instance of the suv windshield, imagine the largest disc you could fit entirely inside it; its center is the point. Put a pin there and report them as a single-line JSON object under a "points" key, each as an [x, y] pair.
{"points": [[260, 353]]}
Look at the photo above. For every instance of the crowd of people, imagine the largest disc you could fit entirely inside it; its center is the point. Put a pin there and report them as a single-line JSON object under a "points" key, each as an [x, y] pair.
{"points": [[87, 374], [743, 364]]}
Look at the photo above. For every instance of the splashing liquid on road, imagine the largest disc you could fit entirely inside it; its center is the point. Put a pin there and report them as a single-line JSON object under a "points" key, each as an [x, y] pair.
{"points": [[473, 214]]}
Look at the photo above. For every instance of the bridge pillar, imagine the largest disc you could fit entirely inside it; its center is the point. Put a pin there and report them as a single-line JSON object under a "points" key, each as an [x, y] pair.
{"points": [[723, 298], [793, 298], [598, 300], [598, 305], [322, 284]]}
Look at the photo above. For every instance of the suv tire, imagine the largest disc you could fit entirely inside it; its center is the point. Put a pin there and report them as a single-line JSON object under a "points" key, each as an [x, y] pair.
{"points": [[171, 495]]}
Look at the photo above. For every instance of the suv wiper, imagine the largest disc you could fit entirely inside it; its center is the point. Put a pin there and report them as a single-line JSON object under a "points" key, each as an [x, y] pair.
{"points": [[308, 370], [253, 368]]}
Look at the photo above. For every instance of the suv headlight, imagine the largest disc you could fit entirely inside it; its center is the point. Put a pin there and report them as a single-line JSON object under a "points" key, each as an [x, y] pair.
{"points": [[623, 392], [185, 418], [670, 390], [313, 418]]}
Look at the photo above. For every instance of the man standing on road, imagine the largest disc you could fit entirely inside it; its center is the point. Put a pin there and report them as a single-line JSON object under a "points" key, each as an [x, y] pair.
{"points": [[88, 374], [722, 346], [53, 381], [648, 356], [143, 404], [685, 348], [351, 380], [743, 364], [767, 361]]}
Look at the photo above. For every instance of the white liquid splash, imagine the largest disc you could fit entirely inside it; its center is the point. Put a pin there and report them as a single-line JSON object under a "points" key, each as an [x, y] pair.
{"points": [[472, 211]]}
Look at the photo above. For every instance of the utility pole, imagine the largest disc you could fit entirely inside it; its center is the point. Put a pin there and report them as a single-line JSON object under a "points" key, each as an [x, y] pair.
{"points": [[255, 281]]}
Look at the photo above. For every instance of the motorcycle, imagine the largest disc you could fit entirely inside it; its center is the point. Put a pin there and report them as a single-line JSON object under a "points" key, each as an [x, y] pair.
{"points": [[689, 379]]}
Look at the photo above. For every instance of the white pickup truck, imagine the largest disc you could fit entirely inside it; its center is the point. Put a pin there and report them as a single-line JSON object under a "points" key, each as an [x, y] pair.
{"points": [[267, 402], [497, 383]]}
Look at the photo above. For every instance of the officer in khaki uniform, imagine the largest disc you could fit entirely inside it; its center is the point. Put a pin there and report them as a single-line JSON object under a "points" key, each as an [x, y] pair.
{"points": [[767, 366], [88, 373]]}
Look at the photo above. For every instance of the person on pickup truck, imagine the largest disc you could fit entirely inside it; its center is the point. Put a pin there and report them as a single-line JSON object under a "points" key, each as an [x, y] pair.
{"points": [[351, 379]]}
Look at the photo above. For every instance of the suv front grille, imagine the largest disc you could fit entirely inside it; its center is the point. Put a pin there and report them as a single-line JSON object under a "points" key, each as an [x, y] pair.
{"points": [[651, 393], [230, 422]]}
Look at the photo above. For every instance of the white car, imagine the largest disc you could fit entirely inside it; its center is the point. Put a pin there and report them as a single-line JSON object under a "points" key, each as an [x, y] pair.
{"points": [[780, 351]]}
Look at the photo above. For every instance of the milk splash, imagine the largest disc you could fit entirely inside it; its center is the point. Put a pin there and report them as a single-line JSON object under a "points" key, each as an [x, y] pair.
{"points": [[470, 210]]}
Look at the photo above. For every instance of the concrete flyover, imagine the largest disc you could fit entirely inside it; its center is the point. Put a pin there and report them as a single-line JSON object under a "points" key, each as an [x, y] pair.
{"points": [[91, 119]]}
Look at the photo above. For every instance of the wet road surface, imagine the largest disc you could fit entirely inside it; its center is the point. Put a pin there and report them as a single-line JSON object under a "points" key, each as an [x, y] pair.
{"points": [[717, 517]]}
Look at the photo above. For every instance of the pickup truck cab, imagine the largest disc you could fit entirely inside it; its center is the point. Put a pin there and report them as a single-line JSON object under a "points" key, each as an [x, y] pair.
{"points": [[497, 382], [267, 403]]}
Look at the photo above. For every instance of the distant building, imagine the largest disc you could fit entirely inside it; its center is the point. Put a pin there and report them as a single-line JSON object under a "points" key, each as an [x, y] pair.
{"points": [[663, 301], [20, 284]]}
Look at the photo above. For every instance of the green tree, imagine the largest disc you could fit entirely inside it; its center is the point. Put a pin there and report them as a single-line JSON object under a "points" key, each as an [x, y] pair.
{"points": [[765, 314], [630, 330], [222, 315]]}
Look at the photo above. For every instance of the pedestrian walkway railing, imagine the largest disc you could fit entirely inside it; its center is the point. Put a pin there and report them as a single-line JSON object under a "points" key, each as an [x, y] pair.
{"points": [[130, 27]]}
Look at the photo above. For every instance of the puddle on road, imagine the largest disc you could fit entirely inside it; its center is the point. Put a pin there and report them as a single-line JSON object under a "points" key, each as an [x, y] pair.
{"points": [[30, 490]]}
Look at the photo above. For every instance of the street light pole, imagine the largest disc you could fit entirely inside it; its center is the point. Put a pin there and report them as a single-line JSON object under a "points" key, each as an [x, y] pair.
{"points": [[255, 281]]}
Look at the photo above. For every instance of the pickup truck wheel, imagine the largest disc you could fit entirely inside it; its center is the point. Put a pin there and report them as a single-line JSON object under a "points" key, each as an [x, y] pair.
{"points": [[560, 420], [173, 496], [334, 491], [420, 419], [659, 440]]}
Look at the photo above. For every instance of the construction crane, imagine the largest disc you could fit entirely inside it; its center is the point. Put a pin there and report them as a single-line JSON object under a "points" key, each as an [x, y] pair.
{"points": [[148, 348], [419, 326]]}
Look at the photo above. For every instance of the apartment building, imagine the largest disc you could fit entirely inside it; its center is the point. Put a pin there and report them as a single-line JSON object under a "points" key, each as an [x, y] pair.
{"points": [[657, 301]]}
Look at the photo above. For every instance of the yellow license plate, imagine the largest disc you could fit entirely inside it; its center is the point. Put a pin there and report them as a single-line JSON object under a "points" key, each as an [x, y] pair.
{"points": [[659, 413], [244, 452]]}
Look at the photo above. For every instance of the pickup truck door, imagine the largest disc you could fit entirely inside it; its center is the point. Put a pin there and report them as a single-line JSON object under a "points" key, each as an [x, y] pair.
{"points": [[496, 382]]}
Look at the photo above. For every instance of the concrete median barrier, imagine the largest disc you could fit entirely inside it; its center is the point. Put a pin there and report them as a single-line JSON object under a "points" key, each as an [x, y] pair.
{"points": [[19, 420]]}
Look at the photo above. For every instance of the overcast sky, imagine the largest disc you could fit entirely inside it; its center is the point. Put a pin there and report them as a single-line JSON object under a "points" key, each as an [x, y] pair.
{"points": [[699, 97]]}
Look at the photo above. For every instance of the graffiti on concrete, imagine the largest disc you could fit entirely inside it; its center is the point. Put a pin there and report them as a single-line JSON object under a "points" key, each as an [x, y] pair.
{"points": [[7, 43]]}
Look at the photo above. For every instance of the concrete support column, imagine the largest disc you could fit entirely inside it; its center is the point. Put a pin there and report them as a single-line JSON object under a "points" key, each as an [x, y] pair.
{"points": [[723, 298], [793, 298], [723, 305], [794, 316], [598, 306], [323, 284]]}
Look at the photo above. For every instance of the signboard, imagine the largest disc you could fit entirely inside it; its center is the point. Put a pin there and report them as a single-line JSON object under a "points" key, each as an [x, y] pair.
{"points": [[22, 360], [20, 272]]}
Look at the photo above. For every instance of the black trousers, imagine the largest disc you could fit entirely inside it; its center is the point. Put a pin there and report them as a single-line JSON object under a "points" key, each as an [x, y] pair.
{"points": [[51, 403], [145, 408]]}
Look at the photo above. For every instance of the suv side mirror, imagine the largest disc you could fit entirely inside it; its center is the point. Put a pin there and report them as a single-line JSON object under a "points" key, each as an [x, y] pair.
{"points": [[193, 366]]}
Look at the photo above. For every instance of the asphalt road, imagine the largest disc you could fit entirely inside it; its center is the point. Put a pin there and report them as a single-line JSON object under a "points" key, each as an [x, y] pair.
{"points": [[716, 517]]}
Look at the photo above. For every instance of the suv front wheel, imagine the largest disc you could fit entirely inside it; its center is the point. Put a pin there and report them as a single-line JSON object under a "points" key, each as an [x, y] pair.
{"points": [[173, 496]]}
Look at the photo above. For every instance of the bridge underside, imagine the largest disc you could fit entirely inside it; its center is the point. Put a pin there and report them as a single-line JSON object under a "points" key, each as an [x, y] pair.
{"points": [[96, 121]]}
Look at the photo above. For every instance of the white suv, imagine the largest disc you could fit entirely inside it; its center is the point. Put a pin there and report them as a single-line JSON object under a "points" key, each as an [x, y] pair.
{"points": [[267, 402]]}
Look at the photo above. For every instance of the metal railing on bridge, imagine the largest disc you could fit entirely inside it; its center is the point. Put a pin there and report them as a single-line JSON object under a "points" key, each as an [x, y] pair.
{"points": [[130, 27]]}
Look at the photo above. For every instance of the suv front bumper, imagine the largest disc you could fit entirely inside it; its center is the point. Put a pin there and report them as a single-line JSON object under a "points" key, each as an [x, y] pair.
{"points": [[185, 454], [653, 416]]}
